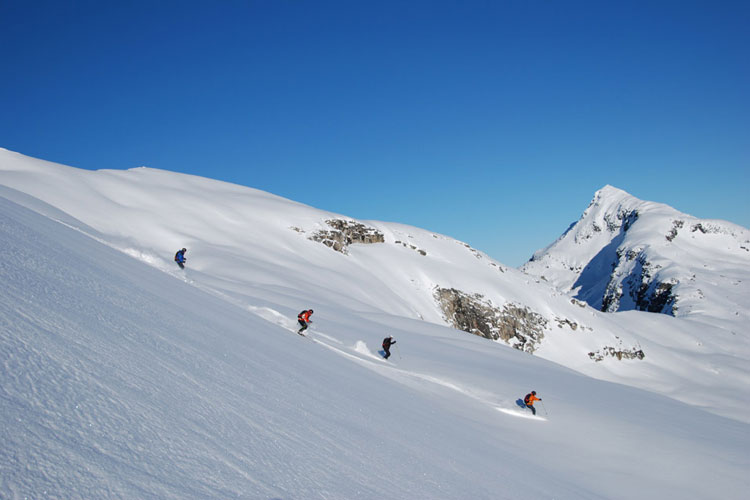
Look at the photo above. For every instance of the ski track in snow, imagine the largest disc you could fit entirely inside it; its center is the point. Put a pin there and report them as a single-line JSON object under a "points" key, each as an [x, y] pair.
{"points": [[521, 414], [272, 316], [327, 337], [361, 348]]}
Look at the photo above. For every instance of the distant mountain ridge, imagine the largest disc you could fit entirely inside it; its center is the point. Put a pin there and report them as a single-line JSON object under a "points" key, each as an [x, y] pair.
{"points": [[628, 254]]}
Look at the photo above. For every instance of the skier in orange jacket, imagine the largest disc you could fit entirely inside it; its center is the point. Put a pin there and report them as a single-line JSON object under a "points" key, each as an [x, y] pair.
{"points": [[303, 319], [529, 401]]}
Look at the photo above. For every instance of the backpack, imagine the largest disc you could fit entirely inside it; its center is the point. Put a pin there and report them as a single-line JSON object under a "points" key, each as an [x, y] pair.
{"points": [[526, 398]]}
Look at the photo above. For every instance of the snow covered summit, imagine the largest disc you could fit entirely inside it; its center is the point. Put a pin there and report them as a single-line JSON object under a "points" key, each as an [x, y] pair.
{"points": [[627, 254]]}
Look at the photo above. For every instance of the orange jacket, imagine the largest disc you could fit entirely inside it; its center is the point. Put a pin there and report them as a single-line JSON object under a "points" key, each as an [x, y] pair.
{"points": [[530, 398], [304, 316]]}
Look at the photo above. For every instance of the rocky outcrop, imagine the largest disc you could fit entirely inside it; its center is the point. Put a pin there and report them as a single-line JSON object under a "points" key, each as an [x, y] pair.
{"points": [[619, 353], [346, 232], [563, 322], [615, 223], [657, 297], [703, 227], [676, 226], [635, 277], [578, 303], [413, 247], [514, 324], [621, 220]]}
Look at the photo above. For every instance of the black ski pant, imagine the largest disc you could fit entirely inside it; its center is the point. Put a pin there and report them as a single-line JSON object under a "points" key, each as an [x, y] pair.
{"points": [[303, 324], [533, 410]]}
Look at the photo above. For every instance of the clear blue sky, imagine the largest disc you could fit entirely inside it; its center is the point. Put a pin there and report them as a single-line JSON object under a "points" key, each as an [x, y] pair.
{"points": [[490, 121]]}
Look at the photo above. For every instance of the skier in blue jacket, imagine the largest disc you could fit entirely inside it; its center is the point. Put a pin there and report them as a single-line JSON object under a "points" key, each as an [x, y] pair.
{"points": [[179, 257]]}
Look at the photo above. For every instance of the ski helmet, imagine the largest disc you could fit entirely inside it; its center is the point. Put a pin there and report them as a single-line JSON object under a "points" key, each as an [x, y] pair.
{"points": [[533, 392]]}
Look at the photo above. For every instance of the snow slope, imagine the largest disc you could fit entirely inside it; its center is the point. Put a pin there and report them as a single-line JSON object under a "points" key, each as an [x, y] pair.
{"points": [[128, 379], [253, 249]]}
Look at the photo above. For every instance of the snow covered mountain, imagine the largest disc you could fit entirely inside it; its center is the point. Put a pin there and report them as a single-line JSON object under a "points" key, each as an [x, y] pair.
{"points": [[627, 254], [126, 377], [266, 253]]}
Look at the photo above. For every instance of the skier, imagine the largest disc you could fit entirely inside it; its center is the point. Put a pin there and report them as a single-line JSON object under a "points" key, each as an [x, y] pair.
{"points": [[303, 319], [529, 401], [179, 257], [387, 342]]}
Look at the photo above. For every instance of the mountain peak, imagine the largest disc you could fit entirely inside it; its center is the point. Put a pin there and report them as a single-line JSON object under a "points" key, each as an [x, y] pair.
{"points": [[625, 253], [610, 196], [609, 191]]}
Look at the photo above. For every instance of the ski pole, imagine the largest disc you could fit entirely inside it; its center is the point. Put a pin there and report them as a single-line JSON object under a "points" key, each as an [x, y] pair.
{"points": [[399, 352], [545, 409]]}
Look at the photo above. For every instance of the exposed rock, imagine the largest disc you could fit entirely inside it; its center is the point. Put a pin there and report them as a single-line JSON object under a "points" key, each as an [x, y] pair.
{"points": [[676, 225], [345, 233], [618, 222], [500, 268], [620, 354], [621, 221], [611, 299], [474, 251], [657, 298], [641, 284], [707, 227], [517, 325], [413, 247], [578, 303], [561, 322]]}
